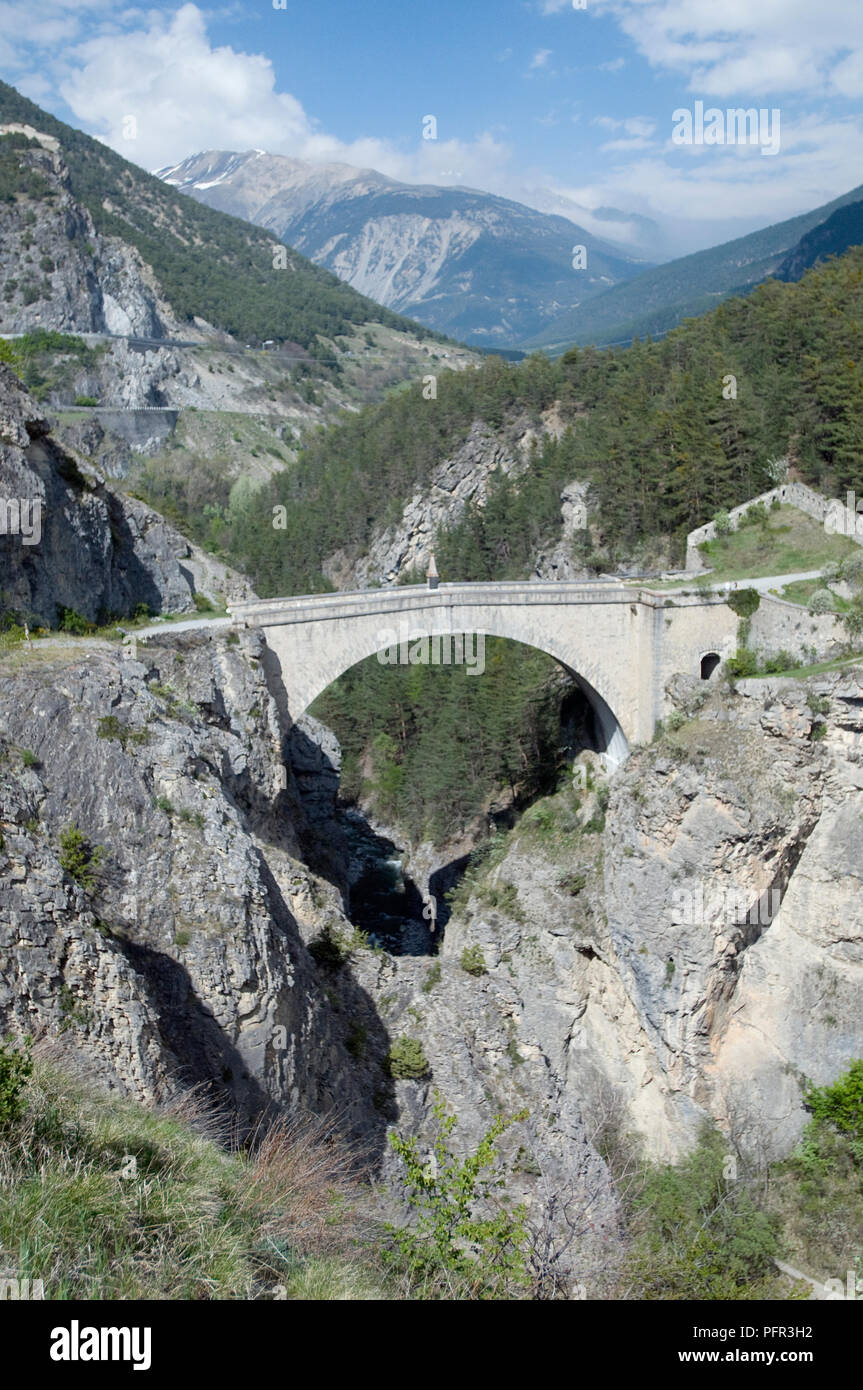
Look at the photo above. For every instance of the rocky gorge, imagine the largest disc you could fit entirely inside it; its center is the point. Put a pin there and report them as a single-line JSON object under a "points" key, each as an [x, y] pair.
{"points": [[679, 943]]}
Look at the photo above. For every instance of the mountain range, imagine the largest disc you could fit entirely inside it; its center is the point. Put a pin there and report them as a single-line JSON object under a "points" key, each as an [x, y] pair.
{"points": [[488, 270], [210, 269], [478, 267]]}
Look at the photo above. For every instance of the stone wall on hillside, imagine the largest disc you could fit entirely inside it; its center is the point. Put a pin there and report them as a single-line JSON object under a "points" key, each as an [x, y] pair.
{"points": [[835, 515]]}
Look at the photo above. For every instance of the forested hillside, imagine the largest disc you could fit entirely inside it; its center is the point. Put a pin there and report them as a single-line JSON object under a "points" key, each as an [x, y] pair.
{"points": [[831, 238], [664, 296], [666, 434]]}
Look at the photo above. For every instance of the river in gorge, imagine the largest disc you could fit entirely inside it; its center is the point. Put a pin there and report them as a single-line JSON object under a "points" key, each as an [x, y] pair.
{"points": [[384, 901]]}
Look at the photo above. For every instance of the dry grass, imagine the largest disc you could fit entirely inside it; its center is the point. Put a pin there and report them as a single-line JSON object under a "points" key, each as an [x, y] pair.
{"points": [[103, 1198]]}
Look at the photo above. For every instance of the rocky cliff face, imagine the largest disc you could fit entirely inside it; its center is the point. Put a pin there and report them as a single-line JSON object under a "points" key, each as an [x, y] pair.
{"points": [[461, 479], [705, 954], [70, 541], [58, 271], [205, 950], [182, 962]]}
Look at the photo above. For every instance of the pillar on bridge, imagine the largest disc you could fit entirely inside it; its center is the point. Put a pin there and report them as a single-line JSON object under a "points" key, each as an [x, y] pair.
{"points": [[432, 576]]}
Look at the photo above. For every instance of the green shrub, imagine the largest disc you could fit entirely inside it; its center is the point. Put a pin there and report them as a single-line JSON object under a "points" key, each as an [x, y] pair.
{"points": [[841, 1104], [86, 400], [818, 704], [472, 961], [853, 619], [204, 604], [70, 621], [29, 759], [16, 1068], [111, 727], [573, 883], [756, 515], [432, 977], [743, 602], [698, 1234], [822, 601], [851, 568], [406, 1060], [504, 897], [743, 663], [779, 661], [462, 1242], [79, 859]]}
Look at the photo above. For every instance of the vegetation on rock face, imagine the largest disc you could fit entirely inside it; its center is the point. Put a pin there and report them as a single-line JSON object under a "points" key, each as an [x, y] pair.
{"points": [[16, 1067], [43, 356], [462, 1240], [699, 1233], [840, 1106], [79, 858], [407, 1060], [102, 1198], [712, 1226], [472, 960]]}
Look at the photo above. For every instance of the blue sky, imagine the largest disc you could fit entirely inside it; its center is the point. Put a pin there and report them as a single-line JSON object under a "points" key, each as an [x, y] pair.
{"points": [[567, 109]]}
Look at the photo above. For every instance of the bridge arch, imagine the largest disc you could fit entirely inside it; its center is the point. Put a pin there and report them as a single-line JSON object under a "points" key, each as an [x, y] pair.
{"points": [[398, 644], [620, 644]]}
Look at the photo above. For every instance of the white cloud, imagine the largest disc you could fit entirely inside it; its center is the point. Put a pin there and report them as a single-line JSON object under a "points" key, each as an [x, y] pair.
{"points": [[749, 46], [704, 195], [540, 59], [641, 127], [635, 142], [187, 95]]}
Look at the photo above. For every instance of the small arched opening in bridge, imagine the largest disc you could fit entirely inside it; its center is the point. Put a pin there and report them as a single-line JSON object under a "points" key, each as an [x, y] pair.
{"points": [[709, 663]]}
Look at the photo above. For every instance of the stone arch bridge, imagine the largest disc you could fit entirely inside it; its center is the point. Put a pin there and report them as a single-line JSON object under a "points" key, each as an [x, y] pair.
{"points": [[620, 641]]}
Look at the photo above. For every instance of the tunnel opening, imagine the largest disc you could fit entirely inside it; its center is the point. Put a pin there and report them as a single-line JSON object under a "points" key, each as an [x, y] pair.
{"points": [[709, 663]]}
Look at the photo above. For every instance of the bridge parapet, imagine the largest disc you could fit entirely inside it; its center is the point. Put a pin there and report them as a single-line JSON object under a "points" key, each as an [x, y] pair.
{"points": [[416, 598]]}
